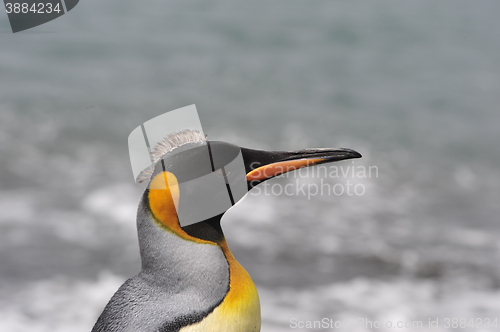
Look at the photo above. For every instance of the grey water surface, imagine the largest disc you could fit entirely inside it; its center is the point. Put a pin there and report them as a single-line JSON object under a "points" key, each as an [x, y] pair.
{"points": [[413, 86]]}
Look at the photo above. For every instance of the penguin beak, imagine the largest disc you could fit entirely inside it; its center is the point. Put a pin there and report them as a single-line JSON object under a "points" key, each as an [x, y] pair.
{"points": [[263, 165]]}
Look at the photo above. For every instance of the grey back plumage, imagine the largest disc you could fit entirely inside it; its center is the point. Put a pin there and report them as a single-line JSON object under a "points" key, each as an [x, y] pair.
{"points": [[180, 283]]}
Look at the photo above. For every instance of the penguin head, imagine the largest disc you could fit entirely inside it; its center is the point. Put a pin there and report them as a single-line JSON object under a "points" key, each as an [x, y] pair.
{"points": [[195, 181]]}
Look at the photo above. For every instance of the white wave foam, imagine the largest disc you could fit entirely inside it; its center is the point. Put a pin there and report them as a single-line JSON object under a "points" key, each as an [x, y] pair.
{"points": [[397, 300], [57, 305], [16, 206], [118, 202]]}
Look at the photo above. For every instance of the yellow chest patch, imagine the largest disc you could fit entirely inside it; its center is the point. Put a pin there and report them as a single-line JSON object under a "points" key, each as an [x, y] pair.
{"points": [[240, 309]]}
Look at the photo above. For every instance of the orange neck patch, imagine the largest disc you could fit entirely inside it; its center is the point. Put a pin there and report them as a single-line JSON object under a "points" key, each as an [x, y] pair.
{"points": [[163, 199], [242, 295]]}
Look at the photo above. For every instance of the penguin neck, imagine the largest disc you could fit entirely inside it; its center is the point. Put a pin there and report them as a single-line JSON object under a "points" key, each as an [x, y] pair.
{"points": [[198, 262], [168, 252]]}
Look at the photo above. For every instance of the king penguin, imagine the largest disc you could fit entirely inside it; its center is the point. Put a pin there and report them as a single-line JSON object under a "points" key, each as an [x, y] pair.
{"points": [[190, 280]]}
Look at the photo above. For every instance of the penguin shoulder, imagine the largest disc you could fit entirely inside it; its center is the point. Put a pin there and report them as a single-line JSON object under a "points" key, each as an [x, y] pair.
{"points": [[143, 304]]}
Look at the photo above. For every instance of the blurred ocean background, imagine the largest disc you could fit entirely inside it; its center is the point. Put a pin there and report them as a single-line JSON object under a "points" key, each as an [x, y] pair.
{"points": [[414, 86]]}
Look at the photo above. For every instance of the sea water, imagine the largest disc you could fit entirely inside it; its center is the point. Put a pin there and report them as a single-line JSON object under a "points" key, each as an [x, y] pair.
{"points": [[413, 86]]}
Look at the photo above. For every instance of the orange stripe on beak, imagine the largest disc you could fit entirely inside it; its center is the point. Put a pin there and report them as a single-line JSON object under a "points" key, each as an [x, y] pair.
{"points": [[268, 171]]}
